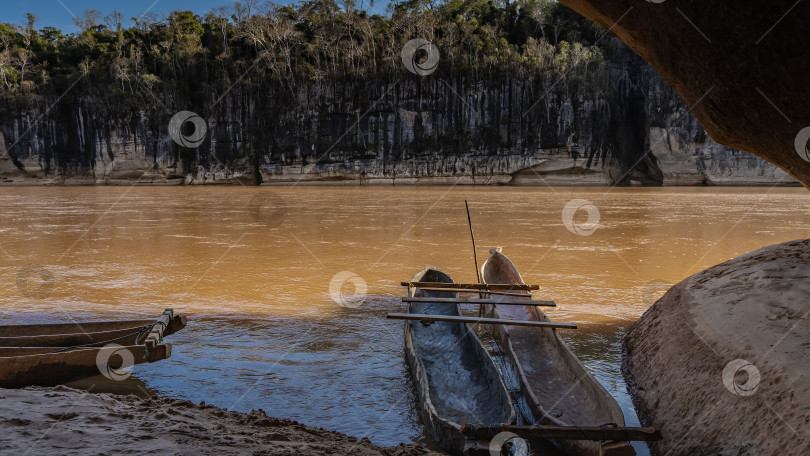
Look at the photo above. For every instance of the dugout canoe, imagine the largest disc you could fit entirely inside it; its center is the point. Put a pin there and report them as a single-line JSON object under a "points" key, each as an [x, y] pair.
{"points": [[54, 354], [558, 388], [456, 379], [122, 332]]}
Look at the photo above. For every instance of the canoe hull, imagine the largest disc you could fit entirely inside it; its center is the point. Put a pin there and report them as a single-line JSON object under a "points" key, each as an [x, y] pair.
{"points": [[53, 368], [80, 333], [537, 354], [125, 336], [455, 378], [54, 354]]}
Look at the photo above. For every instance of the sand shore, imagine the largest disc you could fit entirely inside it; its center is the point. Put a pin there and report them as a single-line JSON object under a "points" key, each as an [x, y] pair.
{"points": [[67, 421]]}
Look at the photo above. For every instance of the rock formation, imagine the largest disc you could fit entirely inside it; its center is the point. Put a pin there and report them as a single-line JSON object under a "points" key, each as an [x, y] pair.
{"points": [[737, 64], [621, 125], [719, 363]]}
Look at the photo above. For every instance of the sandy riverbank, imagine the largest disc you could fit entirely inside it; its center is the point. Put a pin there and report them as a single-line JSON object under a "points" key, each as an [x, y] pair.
{"points": [[67, 421]]}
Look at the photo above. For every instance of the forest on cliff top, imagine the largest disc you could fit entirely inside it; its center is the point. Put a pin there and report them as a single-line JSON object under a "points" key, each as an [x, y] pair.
{"points": [[253, 43]]}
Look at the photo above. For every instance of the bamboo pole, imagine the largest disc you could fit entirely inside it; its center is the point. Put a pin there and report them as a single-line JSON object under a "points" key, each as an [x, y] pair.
{"points": [[477, 320], [473, 286], [472, 236], [462, 290], [565, 432], [504, 302]]}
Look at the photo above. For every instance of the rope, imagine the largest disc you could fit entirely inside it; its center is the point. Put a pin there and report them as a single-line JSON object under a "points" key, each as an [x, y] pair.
{"points": [[161, 333], [158, 322], [103, 342]]}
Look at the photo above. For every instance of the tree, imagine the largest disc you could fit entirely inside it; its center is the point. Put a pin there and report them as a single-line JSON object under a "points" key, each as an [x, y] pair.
{"points": [[88, 21], [311, 40], [219, 18], [6, 68], [185, 30]]}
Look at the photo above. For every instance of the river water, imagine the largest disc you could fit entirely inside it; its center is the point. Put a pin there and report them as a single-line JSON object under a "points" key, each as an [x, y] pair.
{"points": [[252, 267]]}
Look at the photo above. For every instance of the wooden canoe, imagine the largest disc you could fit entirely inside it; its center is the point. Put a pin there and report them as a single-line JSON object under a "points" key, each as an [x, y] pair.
{"points": [[54, 354], [51, 366], [456, 379], [122, 332], [558, 388]]}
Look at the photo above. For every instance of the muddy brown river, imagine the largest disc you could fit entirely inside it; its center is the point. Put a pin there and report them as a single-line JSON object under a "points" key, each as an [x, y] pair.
{"points": [[287, 288]]}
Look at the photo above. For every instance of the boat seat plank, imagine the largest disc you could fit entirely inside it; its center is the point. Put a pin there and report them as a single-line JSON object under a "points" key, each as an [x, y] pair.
{"points": [[474, 286], [488, 321], [595, 433], [504, 302], [488, 292]]}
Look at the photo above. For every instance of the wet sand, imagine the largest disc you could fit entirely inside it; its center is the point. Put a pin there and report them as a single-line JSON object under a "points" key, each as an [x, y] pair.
{"points": [[67, 421]]}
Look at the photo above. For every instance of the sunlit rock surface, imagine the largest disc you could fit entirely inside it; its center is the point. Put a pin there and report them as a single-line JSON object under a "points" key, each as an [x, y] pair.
{"points": [[737, 64], [719, 363]]}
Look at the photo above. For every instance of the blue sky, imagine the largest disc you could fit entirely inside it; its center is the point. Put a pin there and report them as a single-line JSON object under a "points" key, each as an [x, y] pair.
{"points": [[57, 13]]}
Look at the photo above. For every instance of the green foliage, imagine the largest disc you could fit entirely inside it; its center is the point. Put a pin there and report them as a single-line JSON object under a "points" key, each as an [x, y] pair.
{"points": [[286, 45]]}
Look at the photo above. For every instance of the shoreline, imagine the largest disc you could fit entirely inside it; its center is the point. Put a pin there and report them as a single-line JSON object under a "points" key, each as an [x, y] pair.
{"points": [[416, 182], [68, 421]]}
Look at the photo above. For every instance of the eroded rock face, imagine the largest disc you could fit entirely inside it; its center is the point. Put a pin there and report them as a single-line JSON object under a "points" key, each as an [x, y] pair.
{"points": [[719, 363], [593, 130], [741, 66]]}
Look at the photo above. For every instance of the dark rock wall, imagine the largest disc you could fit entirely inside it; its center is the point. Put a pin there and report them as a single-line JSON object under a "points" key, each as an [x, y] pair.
{"points": [[618, 123]]}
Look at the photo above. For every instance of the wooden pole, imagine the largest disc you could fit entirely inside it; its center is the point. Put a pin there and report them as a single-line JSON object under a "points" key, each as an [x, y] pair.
{"points": [[475, 257], [565, 432], [461, 290], [472, 236], [474, 286], [476, 320], [500, 302]]}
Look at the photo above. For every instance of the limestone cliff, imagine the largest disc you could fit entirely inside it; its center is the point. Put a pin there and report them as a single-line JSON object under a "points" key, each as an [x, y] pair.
{"points": [[621, 125]]}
